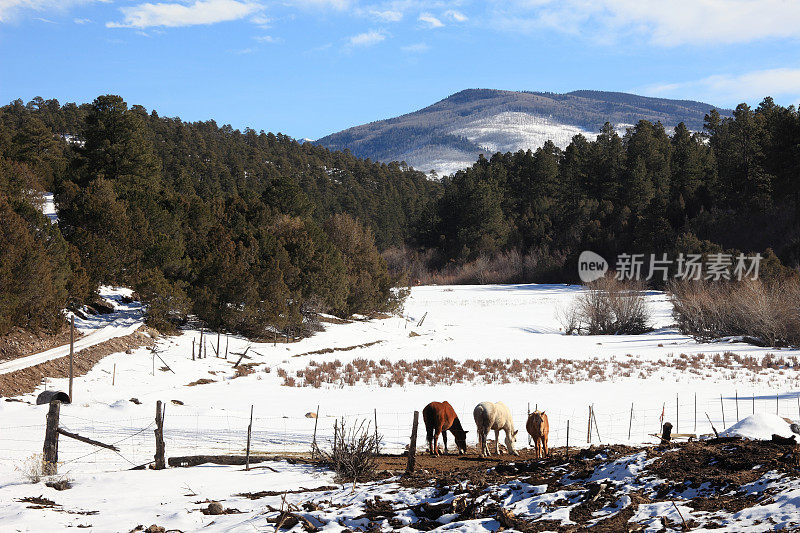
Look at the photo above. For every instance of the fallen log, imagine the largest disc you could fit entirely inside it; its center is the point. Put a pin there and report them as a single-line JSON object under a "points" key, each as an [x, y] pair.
{"points": [[195, 460]]}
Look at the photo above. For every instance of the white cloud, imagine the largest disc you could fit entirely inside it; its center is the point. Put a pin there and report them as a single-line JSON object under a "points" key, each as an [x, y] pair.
{"points": [[665, 23], [268, 39], [416, 48], [366, 39], [429, 20], [388, 15], [324, 4], [456, 16], [175, 15], [10, 9], [731, 89], [82, 21]]}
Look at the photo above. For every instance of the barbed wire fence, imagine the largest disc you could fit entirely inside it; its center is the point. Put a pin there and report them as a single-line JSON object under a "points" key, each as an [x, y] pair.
{"points": [[188, 432]]}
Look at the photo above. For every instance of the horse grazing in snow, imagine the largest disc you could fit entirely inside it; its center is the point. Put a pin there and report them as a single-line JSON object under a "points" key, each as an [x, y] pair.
{"points": [[494, 416], [440, 417], [538, 428]]}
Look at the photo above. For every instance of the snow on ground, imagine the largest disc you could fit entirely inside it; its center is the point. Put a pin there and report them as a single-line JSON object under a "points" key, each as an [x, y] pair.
{"points": [[126, 318], [759, 426], [460, 322], [49, 207]]}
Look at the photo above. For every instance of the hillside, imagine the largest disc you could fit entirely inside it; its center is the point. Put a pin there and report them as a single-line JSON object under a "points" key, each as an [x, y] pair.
{"points": [[450, 134]]}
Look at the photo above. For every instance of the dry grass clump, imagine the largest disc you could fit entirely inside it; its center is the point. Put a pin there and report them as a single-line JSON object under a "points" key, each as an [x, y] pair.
{"points": [[505, 267], [447, 371], [765, 313], [608, 307], [353, 452]]}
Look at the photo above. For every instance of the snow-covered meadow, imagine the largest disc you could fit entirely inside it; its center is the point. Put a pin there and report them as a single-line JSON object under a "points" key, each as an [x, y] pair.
{"points": [[460, 322]]}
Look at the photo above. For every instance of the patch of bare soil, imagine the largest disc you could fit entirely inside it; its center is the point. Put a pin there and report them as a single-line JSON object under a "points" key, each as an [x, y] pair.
{"points": [[342, 349], [201, 381], [21, 342], [720, 466], [26, 380]]}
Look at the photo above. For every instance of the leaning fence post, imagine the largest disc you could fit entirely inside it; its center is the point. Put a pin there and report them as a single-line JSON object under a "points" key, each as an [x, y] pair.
{"points": [[777, 405], [50, 450], [589, 431], [376, 432], [722, 408], [596, 426], [160, 463], [526, 421], [314, 438], [249, 431], [412, 448], [630, 422]]}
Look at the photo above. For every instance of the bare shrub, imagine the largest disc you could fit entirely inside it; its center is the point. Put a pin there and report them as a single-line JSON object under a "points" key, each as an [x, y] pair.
{"points": [[353, 452], [32, 468], [764, 313], [608, 306]]}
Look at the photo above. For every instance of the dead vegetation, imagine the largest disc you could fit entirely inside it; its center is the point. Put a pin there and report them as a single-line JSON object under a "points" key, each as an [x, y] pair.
{"points": [[764, 313], [353, 451], [447, 371], [608, 307]]}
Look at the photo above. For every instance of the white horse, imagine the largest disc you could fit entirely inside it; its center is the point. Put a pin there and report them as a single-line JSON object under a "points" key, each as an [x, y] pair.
{"points": [[494, 416]]}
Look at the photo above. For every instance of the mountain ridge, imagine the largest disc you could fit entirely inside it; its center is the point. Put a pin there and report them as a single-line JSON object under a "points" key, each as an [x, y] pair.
{"points": [[450, 134]]}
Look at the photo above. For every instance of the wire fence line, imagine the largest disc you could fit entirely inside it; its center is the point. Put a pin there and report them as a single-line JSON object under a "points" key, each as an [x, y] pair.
{"points": [[188, 432]]}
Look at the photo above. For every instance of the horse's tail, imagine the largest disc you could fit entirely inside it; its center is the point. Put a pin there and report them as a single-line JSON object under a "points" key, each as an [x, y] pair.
{"points": [[430, 423]]}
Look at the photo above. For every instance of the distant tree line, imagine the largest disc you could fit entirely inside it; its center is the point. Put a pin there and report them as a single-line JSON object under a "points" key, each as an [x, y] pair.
{"points": [[734, 186], [249, 231], [254, 232]]}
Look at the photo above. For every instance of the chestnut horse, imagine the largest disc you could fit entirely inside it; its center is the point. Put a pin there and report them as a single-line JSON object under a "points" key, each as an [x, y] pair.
{"points": [[538, 428], [440, 417]]}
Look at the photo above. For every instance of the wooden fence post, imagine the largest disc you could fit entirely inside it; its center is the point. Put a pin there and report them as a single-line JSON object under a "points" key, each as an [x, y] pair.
{"points": [[526, 422], [160, 463], [695, 413], [114, 375], [677, 412], [218, 334], [314, 438], [71, 352], [50, 450], [227, 343], [200, 345], [568, 439], [589, 430], [192, 349], [596, 426], [737, 405], [722, 408], [376, 432], [412, 448], [249, 431], [630, 422]]}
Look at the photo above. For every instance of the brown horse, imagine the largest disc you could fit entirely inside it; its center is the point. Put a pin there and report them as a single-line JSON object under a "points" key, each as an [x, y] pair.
{"points": [[440, 417], [538, 428]]}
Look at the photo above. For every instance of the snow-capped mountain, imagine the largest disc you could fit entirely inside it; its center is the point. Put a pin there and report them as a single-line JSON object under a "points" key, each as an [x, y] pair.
{"points": [[450, 134]]}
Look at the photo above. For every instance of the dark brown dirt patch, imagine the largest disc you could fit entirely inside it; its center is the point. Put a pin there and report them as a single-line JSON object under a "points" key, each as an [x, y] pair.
{"points": [[26, 380]]}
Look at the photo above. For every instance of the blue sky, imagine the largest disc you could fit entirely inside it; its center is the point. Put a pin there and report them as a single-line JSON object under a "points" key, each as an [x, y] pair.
{"points": [[312, 67]]}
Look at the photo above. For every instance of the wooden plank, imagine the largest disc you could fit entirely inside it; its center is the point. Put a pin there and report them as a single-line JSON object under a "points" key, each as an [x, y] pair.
{"points": [[87, 440]]}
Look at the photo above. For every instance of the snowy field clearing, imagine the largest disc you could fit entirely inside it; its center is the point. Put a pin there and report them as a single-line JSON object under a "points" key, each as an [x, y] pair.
{"points": [[462, 322]]}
